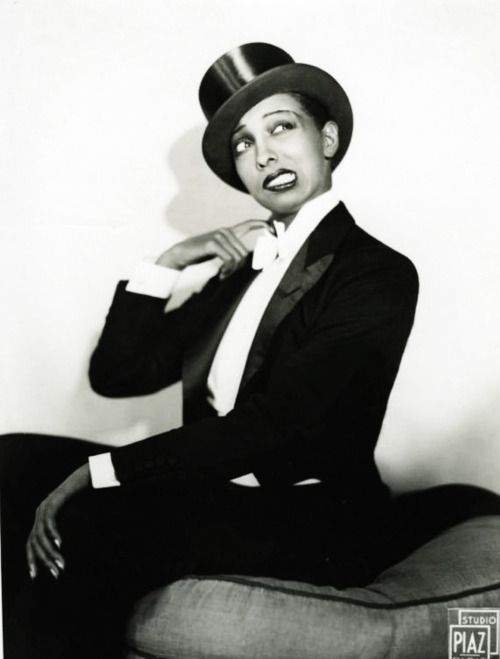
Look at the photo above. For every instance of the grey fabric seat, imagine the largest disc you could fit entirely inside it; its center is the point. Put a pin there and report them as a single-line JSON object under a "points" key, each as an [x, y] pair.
{"points": [[403, 614]]}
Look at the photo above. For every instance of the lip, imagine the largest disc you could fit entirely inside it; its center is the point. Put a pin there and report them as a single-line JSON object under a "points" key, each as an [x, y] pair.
{"points": [[270, 177]]}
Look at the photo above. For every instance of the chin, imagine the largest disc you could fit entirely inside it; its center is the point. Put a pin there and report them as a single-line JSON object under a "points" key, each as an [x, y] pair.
{"points": [[284, 203]]}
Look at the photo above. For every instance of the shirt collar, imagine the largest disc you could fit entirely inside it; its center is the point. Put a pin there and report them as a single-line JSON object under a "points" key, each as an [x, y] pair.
{"points": [[304, 223], [286, 243]]}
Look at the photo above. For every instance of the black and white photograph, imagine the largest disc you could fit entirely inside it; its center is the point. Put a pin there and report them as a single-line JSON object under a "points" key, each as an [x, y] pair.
{"points": [[249, 349]]}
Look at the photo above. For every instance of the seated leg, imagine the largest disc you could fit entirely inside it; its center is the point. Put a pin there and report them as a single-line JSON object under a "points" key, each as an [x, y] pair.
{"points": [[30, 467], [414, 518]]}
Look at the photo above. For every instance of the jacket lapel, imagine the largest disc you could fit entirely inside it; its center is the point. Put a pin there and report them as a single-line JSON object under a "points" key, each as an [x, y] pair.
{"points": [[308, 266]]}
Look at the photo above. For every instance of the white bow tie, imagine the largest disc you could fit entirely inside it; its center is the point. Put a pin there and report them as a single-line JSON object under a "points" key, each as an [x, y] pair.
{"points": [[268, 247]]}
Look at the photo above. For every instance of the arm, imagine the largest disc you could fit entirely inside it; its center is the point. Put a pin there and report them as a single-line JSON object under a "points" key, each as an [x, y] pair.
{"points": [[140, 351], [141, 347]]}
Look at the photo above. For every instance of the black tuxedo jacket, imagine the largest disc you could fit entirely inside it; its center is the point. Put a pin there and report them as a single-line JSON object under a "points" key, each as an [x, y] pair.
{"points": [[316, 382]]}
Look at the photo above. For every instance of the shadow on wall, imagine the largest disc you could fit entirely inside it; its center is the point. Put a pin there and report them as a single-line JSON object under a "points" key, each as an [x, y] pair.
{"points": [[203, 202]]}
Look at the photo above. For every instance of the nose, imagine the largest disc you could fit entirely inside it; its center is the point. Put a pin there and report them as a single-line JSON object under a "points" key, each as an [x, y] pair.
{"points": [[264, 154]]}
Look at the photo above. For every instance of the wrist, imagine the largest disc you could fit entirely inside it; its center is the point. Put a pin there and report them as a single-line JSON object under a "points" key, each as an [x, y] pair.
{"points": [[77, 481]]}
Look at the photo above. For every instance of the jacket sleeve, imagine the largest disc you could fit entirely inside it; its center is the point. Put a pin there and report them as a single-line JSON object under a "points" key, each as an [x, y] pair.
{"points": [[141, 347], [360, 329]]}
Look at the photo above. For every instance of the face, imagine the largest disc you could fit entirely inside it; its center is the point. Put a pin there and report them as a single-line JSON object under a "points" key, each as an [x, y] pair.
{"points": [[280, 154]]}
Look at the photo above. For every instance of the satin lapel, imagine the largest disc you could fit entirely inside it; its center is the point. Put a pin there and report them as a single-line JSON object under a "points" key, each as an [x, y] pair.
{"points": [[308, 266], [297, 280], [199, 356]]}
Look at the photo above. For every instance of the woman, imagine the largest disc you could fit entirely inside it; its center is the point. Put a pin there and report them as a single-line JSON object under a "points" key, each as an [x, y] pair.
{"points": [[286, 368]]}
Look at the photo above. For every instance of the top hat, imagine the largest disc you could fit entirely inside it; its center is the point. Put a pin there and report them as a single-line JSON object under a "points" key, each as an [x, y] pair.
{"points": [[245, 76]]}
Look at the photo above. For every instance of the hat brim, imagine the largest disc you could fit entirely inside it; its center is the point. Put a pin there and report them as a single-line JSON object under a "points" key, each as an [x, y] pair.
{"points": [[303, 78]]}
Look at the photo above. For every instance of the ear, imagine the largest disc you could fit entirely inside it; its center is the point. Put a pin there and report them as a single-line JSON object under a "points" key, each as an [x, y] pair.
{"points": [[330, 133]]}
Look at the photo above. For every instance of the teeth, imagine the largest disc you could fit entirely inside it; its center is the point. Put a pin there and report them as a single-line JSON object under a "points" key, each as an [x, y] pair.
{"points": [[282, 179]]}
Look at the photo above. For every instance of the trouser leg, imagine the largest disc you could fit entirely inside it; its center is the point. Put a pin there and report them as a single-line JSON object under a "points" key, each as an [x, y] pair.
{"points": [[121, 543], [30, 467], [110, 552], [415, 518]]}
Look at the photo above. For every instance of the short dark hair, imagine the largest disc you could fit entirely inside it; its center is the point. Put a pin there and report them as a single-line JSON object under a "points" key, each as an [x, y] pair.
{"points": [[313, 108]]}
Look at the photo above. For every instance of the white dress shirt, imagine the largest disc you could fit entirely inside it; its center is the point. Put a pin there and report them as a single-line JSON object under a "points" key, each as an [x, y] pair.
{"points": [[229, 362]]}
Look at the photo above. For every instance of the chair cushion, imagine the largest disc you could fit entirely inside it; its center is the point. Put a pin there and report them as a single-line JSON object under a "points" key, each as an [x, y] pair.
{"points": [[403, 614]]}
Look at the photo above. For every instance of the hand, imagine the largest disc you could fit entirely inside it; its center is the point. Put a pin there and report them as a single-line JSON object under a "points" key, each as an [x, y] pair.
{"points": [[231, 245], [44, 540]]}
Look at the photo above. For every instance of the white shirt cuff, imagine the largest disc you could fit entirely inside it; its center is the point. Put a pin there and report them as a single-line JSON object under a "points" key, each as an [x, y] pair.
{"points": [[102, 472], [152, 279]]}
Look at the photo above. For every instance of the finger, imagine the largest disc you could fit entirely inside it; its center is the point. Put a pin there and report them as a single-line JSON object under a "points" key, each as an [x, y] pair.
{"points": [[223, 240], [236, 242], [233, 244], [47, 543], [41, 533], [216, 249], [247, 226], [228, 260], [30, 557], [45, 528], [43, 557], [51, 525]]}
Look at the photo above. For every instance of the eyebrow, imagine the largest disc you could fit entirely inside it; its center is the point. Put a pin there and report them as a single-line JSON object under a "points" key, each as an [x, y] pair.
{"points": [[268, 114]]}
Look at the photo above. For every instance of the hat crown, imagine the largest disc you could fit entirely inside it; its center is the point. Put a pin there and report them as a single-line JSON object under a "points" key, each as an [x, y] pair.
{"points": [[234, 70]]}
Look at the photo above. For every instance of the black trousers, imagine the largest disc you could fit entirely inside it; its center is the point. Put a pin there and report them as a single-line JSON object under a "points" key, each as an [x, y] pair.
{"points": [[121, 543]]}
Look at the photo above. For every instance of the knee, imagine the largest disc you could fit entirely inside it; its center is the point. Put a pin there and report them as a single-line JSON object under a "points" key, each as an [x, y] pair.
{"points": [[78, 518], [80, 526], [12, 450], [78, 512], [37, 463]]}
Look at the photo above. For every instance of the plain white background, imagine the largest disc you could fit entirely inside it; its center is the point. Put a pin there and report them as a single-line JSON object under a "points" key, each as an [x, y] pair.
{"points": [[101, 165], [100, 131]]}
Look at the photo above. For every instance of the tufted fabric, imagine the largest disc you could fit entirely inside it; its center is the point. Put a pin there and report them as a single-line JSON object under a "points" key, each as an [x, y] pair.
{"points": [[401, 615]]}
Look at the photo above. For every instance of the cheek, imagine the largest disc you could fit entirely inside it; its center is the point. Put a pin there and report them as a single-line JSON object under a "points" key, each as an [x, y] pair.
{"points": [[243, 170], [307, 153], [315, 161]]}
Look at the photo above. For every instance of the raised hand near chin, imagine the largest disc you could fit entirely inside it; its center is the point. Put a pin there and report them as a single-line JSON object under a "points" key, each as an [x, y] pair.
{"points": [[230, 244]]}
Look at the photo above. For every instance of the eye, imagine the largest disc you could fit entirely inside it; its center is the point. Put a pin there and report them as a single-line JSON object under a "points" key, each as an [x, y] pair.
{"points": [[241, 146], [282, 127]]}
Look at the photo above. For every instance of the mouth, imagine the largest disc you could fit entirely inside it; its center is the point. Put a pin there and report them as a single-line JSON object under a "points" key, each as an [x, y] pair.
{"points": [[282, 179]]}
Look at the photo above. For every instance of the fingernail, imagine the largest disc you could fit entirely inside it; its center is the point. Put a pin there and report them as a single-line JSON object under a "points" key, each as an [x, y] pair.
{"points": [[57, 542], [32, 572], [54, 572], [60, 564]]}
